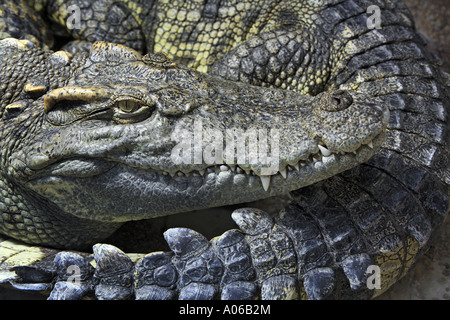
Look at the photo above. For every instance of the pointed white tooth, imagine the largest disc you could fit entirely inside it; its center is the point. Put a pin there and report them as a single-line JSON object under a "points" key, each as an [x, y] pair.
{"points": [[265, 180], [283, 173], [165, 173], [180, 174], [232, 167], [370, 144], [239, 170], [247, 172], [224, 168], [325, 151], [172, 174], [202, 172], [297, 167]]}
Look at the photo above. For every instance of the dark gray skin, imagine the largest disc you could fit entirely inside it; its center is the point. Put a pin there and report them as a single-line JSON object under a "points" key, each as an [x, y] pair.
{"points": [[97, 131]]}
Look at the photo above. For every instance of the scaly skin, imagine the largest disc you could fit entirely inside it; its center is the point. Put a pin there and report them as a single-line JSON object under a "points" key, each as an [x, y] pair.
{"points": [[382, 213], [92, 132]]}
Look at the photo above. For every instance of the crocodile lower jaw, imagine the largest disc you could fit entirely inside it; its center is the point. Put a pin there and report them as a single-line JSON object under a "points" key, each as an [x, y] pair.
{"points": [[156, 193]]}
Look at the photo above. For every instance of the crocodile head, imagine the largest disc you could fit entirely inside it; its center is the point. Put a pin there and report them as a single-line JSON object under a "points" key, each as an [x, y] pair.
{"points": [[131, 137]]}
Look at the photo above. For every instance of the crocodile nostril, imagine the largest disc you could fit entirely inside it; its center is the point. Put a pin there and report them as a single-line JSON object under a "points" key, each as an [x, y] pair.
{"points": [[338, 101]]}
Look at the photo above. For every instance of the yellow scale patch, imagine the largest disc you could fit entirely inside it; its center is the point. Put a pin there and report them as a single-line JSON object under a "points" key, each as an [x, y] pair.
{"points": [[178, 15], [392, 263], [14, 254]]}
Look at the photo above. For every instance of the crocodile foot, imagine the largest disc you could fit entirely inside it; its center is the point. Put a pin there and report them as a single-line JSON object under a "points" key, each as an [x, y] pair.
{"points": [[267, 258]]}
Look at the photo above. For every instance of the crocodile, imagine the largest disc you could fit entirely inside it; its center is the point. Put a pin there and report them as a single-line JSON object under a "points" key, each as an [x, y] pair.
{"points": [[361, 113]]}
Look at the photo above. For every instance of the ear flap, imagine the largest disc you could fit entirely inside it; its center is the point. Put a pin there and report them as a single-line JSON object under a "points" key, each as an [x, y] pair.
{"points": [[109, 52]]}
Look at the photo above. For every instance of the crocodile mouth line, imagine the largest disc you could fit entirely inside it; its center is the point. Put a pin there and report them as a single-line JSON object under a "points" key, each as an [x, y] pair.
{"points": [[314, 161], [319, 161]]}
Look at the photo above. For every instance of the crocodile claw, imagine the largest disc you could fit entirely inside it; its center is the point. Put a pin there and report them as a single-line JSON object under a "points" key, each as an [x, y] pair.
{"points": [[295, 255], [114, 273], [74, 273]]}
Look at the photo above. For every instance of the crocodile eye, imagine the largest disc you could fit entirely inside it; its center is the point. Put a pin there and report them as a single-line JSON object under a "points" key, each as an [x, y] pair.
{"points": [[128, 106], [130, 111]]}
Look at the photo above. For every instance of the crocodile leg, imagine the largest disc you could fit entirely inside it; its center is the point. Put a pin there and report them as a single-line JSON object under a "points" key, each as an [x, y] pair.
{"points": [[315, 249]]}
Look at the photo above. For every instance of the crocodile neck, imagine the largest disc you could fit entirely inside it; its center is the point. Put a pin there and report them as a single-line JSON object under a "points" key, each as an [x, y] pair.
{"points": [[28, 216]]}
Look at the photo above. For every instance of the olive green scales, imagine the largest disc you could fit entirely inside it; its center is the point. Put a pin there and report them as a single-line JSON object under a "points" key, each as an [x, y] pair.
{"points": [[87, 138]]}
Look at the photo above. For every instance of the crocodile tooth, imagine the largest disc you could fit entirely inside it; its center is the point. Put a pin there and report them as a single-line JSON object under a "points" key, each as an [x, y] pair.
{"points": [[180, 174], [209, 170], [265, 180], [247, 172], [172, 174], [224, 168], [325, 151], [370, 144], [297, 167], [232, 167], [239, 170], [283, 173], [202, 172]]}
